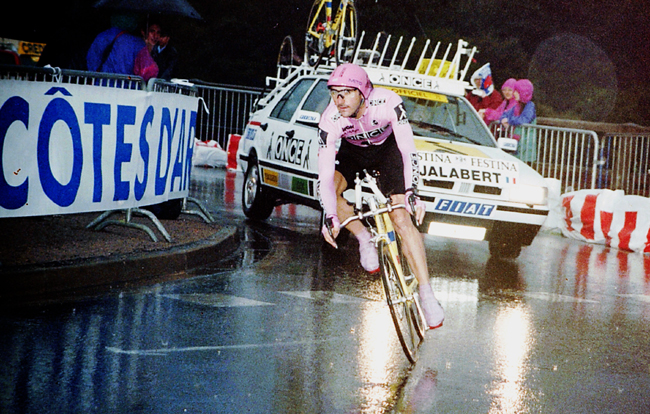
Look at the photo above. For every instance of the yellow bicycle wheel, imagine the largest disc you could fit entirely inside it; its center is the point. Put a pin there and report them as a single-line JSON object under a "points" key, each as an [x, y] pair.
{"points": [[403, 309], [419, 322]]}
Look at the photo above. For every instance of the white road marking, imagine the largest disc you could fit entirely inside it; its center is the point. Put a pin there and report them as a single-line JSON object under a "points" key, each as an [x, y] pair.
{"points": [[217, 300], [642, 298], [325, 296], [166, 351]]}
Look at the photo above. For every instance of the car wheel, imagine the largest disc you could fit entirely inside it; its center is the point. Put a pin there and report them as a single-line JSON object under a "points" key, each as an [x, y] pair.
{"points": [[255, 202], [504, 249]]}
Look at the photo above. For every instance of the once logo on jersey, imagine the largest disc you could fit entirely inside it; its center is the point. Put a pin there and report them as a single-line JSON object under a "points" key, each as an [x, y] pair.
{"points": [[400, 111], [376, 102], [368, 135]]}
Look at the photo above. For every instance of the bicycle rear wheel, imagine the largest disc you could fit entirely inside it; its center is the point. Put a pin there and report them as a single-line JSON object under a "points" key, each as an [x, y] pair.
{"points": [[402, 310], [346, 38]]}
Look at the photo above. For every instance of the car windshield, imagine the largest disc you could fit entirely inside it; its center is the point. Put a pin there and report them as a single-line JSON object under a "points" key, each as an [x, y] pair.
{"points": [[446, 117]]}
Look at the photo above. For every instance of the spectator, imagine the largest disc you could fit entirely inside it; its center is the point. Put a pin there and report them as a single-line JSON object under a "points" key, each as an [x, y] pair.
{"points": [[165, 55], [145, 66], [507, 89], [523, 113], [116, 50], [483, 96]]}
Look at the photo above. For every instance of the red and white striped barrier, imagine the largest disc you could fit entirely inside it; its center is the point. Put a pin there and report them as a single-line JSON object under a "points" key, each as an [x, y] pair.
{"points": [[607, 217], [233, 146]]}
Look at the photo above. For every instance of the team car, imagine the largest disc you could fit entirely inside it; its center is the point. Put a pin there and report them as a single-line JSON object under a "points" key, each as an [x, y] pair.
{"points": [[472, 188]]}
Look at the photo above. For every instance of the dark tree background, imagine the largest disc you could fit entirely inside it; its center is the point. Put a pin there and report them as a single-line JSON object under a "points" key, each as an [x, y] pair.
{"points": [[588, 59]]}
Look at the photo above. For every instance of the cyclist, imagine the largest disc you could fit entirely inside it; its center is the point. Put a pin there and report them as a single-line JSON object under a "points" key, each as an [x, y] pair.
{"points": [[374, 134]]}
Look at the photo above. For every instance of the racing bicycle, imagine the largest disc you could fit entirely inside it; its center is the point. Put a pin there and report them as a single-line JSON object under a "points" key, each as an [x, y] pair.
{"points": [[327, 37], [400, 284]]}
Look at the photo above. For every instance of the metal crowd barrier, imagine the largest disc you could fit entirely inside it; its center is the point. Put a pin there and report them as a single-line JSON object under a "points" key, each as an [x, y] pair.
{"points": [[227, 109], [581, 159], [76, 77], [625, 163]]}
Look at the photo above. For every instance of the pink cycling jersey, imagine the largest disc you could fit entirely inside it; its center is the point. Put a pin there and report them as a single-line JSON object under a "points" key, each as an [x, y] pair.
{"points": [[385, 115]]}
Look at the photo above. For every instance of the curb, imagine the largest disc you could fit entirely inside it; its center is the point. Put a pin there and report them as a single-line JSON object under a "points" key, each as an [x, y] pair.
{"points": [[58, 282]]}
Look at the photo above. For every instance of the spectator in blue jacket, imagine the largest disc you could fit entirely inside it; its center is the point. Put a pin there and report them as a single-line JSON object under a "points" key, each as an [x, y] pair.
{"points": [[523, 113], [114, 50]]}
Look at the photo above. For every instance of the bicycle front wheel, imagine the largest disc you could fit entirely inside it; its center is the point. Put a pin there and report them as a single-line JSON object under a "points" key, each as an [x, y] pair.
{"points": [[402, 310], [346, 38], [417, 315]]}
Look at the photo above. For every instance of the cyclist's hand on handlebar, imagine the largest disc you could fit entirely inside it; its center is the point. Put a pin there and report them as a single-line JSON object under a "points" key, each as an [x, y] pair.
{"points": [[331, 230], [415, 206]]}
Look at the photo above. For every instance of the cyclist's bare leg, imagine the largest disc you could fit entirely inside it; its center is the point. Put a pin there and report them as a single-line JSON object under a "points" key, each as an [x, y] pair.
{"points": [[413, 248], [412, 243], [343, 209], [367, 251]]}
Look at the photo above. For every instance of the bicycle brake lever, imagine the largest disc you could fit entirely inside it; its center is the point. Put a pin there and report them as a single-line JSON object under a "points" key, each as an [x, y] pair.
{"points": [[411, 201], [330, 225]]}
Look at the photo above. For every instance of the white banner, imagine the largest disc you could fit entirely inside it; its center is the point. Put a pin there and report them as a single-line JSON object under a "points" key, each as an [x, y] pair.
{"points": [[68, 148]]}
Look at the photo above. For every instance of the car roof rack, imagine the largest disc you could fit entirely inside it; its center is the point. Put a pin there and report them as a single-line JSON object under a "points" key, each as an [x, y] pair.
{"points": [[389, 64]]}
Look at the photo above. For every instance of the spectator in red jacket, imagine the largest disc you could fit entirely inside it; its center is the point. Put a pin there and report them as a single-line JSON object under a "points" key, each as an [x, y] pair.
{"points": [[483, 96]]}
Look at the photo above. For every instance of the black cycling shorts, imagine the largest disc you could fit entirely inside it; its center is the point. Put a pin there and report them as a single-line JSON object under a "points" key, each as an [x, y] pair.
{"points": [[385, 159]]}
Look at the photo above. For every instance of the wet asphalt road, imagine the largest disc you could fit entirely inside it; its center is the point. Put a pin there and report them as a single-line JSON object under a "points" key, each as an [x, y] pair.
{"points": [[285, 326]]}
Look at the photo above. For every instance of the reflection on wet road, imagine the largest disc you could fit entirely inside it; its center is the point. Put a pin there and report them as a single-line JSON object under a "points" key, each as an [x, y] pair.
{"points": [[286, 325]]}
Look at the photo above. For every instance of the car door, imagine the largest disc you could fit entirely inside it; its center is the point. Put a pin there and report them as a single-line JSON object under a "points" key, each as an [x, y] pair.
{"points": [[290, 157]]}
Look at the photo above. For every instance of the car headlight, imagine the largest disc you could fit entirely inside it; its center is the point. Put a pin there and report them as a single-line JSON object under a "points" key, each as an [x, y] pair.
{"points": [[529, 194]]}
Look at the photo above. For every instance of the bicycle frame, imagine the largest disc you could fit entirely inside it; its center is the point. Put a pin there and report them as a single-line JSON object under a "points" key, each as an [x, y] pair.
{"points": [[399, 287], [380, 208], [331, 27]]}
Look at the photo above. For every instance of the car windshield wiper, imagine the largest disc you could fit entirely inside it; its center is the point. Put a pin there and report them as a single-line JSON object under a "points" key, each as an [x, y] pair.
{"points": [[436, 128], [443, 130]]}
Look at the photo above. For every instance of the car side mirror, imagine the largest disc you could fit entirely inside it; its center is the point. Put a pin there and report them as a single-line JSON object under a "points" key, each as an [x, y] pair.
{"points": [[308, 118], [508, 144]]}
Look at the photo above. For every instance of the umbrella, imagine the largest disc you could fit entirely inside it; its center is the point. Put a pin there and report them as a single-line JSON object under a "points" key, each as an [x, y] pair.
{"points": [[175, 7]]}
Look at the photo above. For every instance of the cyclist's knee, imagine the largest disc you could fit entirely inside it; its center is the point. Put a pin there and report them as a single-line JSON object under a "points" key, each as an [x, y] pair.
{"points": [[401, 220], [340, 184]]}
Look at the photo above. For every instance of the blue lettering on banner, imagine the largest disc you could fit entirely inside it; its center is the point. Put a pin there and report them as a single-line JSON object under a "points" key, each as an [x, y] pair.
{"points": [[97, 115], [123, 151], [165, 125], [15, 109], [140, 186], [462, 207], [190, 149], [108, 136], [61, 194], [177, 171]]}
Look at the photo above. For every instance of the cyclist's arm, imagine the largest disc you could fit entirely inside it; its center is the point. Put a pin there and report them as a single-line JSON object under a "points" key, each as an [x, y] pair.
{"points": [[326, 166]]}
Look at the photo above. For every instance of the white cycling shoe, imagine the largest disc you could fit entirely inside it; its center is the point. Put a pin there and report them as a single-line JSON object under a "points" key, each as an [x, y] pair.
{"points": [[433, 312], [368, 253]]}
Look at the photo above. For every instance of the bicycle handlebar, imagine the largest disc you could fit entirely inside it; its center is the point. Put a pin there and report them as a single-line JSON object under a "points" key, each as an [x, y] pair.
{"points": [[372, 213]]}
